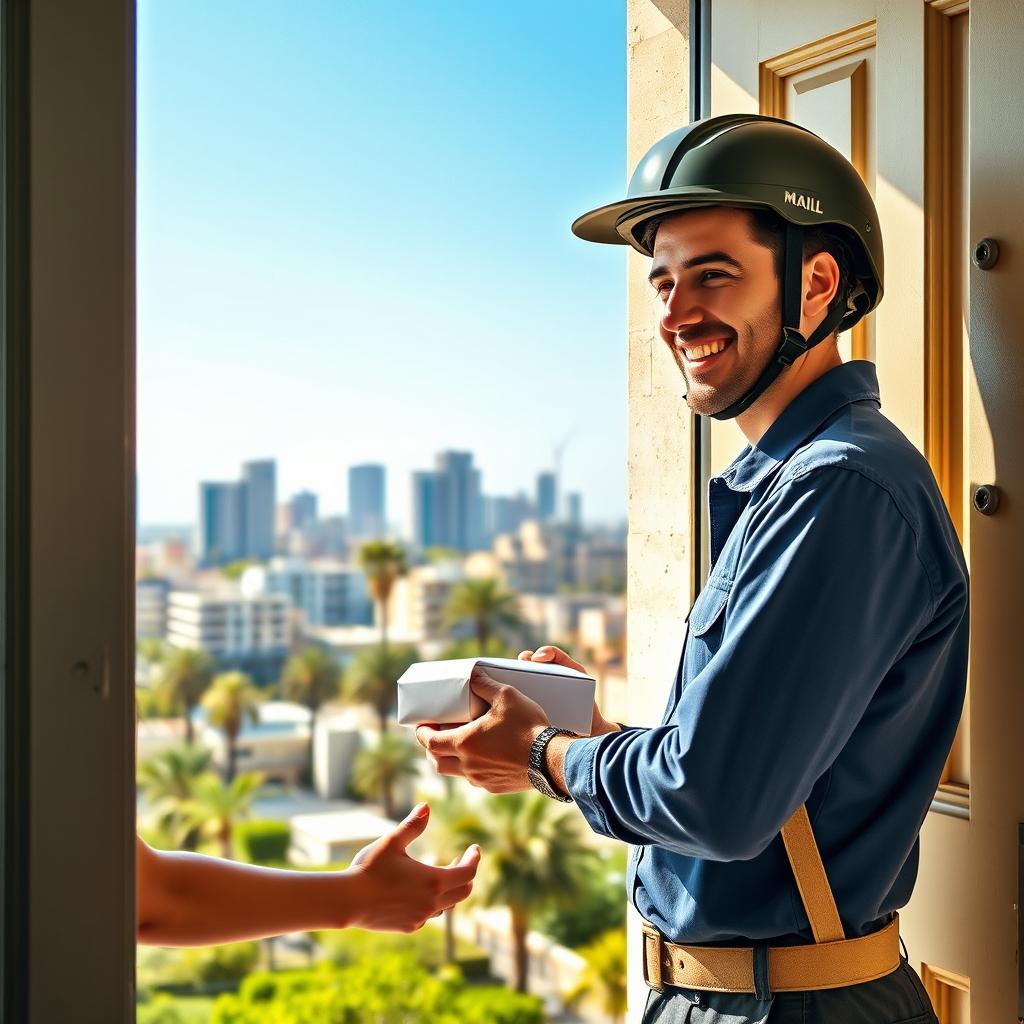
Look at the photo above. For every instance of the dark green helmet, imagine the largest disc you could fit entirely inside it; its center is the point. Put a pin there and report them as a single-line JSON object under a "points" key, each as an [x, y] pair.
{"points": [[752, 160]]}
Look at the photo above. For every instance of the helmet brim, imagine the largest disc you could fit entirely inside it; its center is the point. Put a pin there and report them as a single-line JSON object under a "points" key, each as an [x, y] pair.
{"points": [[616, 223]]}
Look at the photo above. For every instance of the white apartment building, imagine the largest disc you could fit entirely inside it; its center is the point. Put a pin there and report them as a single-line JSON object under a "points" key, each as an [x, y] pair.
{"points": [[328, 592], [246, 632]]}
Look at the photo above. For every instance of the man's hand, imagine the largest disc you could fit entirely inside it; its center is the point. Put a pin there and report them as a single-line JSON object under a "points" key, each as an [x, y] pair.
{"points": [[493, 751], [556, 656], [400, 892]]}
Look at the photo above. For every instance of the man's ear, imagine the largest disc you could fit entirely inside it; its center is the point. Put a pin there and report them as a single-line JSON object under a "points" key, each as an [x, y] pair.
{"points": [[821, 281]]}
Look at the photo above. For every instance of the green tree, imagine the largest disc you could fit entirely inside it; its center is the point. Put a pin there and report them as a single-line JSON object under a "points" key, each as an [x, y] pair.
{"points": [[185, 673], [384, 563], [215, 806], [372, 678], [453, 825], [312, 677], [487, 603], [230, 702], [378, 769], [605, 974], [469, 647], [166, 782], [535, 858]]}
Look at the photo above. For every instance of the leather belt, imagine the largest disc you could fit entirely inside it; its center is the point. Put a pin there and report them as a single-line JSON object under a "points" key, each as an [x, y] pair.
{"points": [[831, 961], [785, 968]]}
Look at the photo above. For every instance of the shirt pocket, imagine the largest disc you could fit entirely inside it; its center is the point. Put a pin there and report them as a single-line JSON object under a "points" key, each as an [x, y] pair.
{"points": [[710, 604]]}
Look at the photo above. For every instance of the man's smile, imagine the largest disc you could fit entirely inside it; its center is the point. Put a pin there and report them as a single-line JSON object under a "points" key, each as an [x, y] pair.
{"points": [[703, 353]]}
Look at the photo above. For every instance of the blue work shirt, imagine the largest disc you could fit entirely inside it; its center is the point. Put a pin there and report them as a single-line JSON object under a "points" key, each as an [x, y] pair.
{"points": [[824, 662]]}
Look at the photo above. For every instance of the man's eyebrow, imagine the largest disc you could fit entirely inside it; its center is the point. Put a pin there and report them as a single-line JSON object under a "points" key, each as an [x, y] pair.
{"points": [[697, 261]]}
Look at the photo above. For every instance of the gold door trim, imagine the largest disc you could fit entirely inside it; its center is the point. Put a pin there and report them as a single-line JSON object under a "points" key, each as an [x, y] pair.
{"points": [[940, 984], [943, 431], [772, 75]]}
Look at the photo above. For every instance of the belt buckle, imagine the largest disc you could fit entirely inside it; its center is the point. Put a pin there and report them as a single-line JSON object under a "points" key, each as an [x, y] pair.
{"points": [[654, 944]]}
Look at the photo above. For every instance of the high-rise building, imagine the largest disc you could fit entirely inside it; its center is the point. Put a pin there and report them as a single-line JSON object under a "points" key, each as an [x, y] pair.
{"points": [[221, 532], [547, 497], [423, 527], [457, 502], [575, 502], [505, 514], [367, 503], [304, 510], [260, 481], [448, 508]]}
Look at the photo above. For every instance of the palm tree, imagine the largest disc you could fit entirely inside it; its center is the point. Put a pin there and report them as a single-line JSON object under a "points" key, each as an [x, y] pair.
{"points": [[487, 603], [468, 647], [452, 827], [166, 781], [372, 678], [312, 677], [378, 768], [383, 561], [605, 973], [215, 806], [536, 858], [185, 673], [231, 701]]}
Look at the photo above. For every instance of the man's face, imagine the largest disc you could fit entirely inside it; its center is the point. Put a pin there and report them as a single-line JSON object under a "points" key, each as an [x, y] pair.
{"points": [[716, 289]]}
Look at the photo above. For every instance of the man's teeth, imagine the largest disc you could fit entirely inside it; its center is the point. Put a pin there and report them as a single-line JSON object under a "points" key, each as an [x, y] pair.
{"points": [[703, 351]]}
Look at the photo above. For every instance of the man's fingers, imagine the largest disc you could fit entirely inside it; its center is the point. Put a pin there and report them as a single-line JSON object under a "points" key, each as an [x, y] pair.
{"points": [[439, 741], [525, 655], [486, 688], [556, 656], [411, 827], [446, 765]]}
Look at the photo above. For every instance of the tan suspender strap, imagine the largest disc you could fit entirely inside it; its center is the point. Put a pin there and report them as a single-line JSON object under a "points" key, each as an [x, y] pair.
{"points": [[811, 880]]}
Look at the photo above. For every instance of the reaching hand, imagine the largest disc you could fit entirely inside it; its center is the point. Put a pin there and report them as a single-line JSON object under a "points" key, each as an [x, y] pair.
{"points": [[556, 656], [402, 893]]}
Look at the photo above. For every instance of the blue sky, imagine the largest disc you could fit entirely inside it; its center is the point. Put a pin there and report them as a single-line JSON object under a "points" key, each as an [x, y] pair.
{"points": [[354, 245]]}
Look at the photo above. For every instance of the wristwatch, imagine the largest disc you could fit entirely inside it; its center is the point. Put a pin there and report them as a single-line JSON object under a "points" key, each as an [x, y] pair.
{"points": [[537, 770]]}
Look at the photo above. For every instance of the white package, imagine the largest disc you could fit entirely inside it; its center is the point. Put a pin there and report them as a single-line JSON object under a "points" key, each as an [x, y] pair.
{"points": [[438, 691]]}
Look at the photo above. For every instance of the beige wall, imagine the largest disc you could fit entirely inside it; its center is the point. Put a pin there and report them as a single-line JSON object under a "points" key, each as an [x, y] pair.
{"points": [[660, 425]]}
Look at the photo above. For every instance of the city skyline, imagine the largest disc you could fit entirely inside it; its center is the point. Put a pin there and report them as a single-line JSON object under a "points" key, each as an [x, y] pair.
{"points": [[304, 507], [281, 313]]}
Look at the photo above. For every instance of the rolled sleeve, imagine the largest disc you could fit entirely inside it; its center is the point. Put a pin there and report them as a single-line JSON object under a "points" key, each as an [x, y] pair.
{"points": [[828, 592]]}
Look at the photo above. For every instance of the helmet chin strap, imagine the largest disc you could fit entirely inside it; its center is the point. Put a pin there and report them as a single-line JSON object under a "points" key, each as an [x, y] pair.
{"points": [[793, 343]]}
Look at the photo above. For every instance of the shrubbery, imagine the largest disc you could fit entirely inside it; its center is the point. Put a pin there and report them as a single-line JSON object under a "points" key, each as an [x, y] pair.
{"points": [[390, 989], [425, 946], [263, 842]]}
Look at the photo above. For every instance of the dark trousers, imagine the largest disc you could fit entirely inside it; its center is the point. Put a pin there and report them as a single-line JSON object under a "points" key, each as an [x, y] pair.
{"points": [[898, 998]]}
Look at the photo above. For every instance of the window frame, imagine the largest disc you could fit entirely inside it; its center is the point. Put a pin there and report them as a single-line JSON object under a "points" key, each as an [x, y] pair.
{"points": [[69, 448]]}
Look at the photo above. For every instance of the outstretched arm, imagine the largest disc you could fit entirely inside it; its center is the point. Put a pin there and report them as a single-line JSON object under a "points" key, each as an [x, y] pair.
{"points": [[187, 899]]}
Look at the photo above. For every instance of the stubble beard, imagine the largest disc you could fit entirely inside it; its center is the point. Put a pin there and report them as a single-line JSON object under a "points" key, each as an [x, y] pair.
{"points": [[760, 340]]}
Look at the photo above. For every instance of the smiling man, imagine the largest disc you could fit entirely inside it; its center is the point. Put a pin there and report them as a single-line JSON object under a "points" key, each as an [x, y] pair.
{"points": [[775, 810]]}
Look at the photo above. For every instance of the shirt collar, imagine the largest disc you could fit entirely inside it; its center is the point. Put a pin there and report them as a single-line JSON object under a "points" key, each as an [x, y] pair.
{"points": [[855, 381]]}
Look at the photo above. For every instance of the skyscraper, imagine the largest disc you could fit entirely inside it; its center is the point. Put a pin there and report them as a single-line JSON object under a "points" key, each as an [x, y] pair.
{"points": [[367, 508], [423, 529], [547, 497], [575, 501], [260, 481], [447, 505], [304, 510], [458, 505], [221, 532]]}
